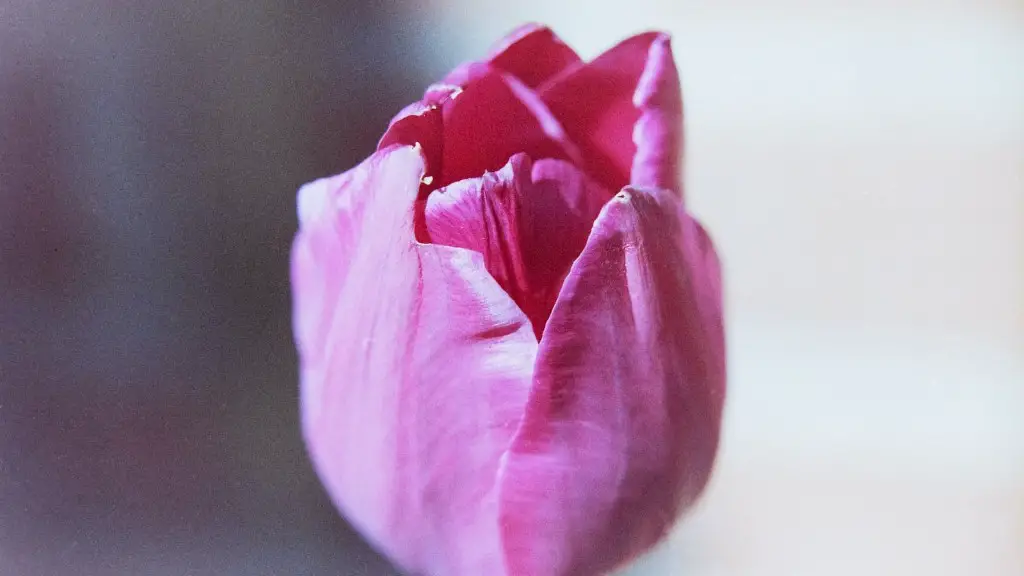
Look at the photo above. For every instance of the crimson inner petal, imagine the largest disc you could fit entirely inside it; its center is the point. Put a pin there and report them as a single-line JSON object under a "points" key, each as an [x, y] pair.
{"points": [[529, 221], [594, 103], [467, 131], [487, 123]]}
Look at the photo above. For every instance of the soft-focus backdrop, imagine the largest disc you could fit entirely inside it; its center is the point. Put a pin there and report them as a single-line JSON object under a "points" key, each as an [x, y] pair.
{"points": [[860, 164]]}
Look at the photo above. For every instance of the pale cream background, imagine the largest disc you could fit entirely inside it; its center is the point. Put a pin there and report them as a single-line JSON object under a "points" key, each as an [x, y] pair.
{"points": [[861, 166]]}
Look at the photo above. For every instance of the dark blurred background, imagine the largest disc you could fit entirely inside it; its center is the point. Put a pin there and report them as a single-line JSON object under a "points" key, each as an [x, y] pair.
{"points": [[149, 156]]}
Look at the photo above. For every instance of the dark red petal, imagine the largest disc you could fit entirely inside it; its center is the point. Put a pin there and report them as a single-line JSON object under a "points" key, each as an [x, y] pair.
{"points": [[467, 131], [622, 424], [484, 112], [624, 111], [489, 121], [594, 103], [532, 53], [529, 221], [421, 123]]}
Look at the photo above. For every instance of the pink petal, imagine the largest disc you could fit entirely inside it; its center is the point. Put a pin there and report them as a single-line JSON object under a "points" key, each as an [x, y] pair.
{"points": [[600, 103], [621, 428], [658, 133], [475, 129], [415, 370], [529, 221], [532, 53]]}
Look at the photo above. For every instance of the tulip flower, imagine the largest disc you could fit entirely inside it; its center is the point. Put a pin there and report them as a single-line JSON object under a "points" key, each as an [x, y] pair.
{"points": [[510, 328]]}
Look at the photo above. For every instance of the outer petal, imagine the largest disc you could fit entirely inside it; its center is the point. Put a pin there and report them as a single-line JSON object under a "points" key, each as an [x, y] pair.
{"points": [[415, 370], [529, 221], [601, 102], [532, 53], [622, 425]]}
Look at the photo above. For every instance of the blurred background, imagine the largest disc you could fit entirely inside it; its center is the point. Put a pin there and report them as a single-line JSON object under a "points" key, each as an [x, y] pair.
{"points": [[860, 164]]}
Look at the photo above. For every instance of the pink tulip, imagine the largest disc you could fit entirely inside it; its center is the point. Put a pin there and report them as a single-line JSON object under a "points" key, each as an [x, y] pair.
{"points": [[510, 329]]}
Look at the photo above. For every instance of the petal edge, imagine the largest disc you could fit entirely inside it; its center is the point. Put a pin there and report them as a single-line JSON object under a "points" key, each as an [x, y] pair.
{"points": [[622, 424]]}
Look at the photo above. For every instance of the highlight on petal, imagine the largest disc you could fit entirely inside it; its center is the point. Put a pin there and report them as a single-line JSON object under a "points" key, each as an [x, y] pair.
{"points": [[622, 425], [416, 367], [529, 221], [532, 53]]}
